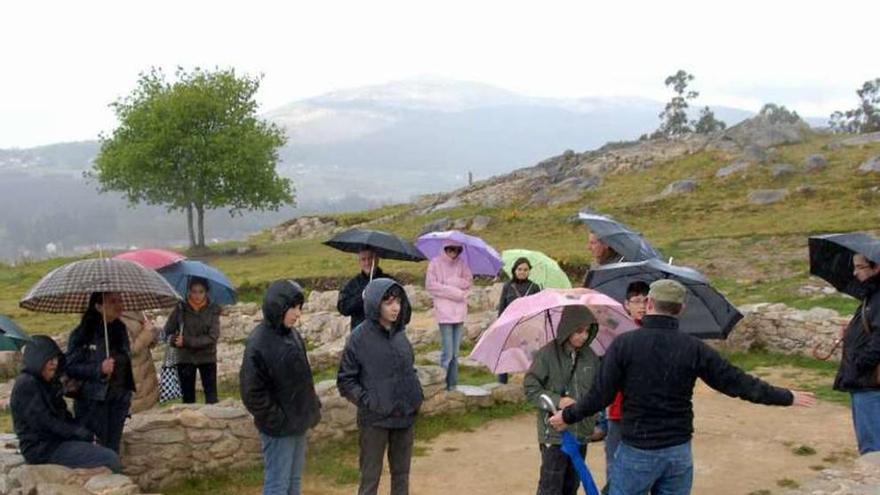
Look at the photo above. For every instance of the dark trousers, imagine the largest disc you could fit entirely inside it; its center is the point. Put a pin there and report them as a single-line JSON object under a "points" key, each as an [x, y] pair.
{"points": [[399, 442], [187, 373], [558, 476], [106, 418], [75, 454]]}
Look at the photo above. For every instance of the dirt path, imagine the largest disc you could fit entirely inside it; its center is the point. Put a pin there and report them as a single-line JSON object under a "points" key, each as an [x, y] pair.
{"points": [[739, 448]]}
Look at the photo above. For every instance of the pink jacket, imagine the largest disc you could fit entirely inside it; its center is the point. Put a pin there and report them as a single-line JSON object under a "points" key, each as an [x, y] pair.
{"points": [[449, 282]]}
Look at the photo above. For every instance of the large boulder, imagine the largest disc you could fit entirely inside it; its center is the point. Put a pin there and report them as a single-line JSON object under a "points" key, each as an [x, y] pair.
{"points": [[733, 168], [438, 225], [765, 131], [680, 187], [782, 170], [767, 196], [480, 222], [815, 163], [871, 137], [870, 165]]}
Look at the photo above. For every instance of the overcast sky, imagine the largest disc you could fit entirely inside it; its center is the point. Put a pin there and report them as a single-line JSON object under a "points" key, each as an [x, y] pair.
{"points": [[63, 62]]}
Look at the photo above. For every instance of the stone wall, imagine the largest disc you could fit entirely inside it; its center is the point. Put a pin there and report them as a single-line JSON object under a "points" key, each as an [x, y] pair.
{"points": [[780, 328], [18, 478], [163, 446]]}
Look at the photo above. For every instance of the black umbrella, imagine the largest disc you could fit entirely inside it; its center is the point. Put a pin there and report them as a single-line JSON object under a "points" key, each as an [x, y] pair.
{"points": [[625, 241], [707, 314], [384, 244], [831, 259]]}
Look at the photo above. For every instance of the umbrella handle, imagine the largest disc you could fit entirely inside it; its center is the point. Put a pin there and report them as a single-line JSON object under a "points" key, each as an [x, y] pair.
{"points": [[826, 357], [106, 333]]}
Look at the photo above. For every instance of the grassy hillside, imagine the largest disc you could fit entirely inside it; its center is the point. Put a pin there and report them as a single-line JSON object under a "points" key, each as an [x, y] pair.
{"points": [[752, 253]]}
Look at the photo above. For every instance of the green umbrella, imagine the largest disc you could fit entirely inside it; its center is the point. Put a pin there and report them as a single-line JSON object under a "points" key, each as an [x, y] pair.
{"points": [[12, 337], [545, 270]]}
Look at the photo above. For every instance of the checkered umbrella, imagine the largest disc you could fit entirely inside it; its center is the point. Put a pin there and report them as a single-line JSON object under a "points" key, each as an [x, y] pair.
{"points": [[67, 289]]}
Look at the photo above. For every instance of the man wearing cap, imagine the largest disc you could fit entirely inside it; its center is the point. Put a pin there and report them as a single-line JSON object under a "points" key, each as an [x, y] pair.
{"points": [[656, 368]]}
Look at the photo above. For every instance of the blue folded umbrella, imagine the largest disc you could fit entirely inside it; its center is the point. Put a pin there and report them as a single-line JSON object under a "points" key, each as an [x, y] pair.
{"points": [[572, 449], [220, 289]]}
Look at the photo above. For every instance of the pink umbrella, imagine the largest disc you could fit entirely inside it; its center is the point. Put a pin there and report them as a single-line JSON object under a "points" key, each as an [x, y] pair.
{"points": [[152, 258], [530, 322]]}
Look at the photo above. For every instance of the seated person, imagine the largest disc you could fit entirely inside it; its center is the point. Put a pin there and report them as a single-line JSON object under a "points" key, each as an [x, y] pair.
{"points": [[47, 433]]}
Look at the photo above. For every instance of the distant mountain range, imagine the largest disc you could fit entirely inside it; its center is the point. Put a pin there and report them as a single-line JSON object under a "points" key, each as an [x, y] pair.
{"points": [[347, 150]]}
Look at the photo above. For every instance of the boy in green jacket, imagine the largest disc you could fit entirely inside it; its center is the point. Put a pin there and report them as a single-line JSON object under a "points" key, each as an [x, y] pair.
{"points": [[563, 370]]}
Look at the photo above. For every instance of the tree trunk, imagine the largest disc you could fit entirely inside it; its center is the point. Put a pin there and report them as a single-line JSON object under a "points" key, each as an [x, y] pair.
{"points": [[200, 211], [189, 225]]}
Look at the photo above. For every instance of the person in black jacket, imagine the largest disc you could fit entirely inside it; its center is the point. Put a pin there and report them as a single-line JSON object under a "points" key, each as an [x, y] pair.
{"points": [[276, 387], [351, 300], [377, 374], [656, 368], [858, 373], [104, 398], [47, 432], [518, 286]]}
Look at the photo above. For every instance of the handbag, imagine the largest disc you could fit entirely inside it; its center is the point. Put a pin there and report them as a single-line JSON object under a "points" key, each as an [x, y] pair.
{"points": [[169, 380]]}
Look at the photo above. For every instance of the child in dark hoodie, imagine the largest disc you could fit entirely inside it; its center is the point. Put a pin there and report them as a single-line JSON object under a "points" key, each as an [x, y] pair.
{"points": [[377, 374], [47, 432], [277, 388]]}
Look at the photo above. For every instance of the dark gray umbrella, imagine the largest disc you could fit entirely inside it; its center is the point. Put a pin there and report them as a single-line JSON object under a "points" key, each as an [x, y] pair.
{"points": [[831, 259], [707, 315], [625, 241], [384, 244]]}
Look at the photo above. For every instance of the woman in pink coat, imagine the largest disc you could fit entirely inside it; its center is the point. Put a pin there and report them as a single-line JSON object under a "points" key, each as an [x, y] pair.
{"points": [[449, 281]]}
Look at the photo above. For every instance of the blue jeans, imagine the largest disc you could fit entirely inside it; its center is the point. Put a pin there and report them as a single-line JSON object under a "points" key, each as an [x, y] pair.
{"points": [[450, 338], [668, 471], [75, 454], [866, 419], [284, 460], [612, 442]]}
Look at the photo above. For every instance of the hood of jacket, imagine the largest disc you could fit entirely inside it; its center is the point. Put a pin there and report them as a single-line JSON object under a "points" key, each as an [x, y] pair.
{"points": [[573, 318], [280, 296], [38, 352], [373, 295]]}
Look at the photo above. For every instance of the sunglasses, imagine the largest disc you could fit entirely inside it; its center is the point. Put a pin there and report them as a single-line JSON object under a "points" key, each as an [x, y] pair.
{"points": [[452, 249]]}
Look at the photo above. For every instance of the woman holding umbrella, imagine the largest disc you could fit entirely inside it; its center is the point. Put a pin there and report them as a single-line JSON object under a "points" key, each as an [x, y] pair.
{"points": [[518, 286], [851, 263], [449, 280], [98, 354], [194, 327]]}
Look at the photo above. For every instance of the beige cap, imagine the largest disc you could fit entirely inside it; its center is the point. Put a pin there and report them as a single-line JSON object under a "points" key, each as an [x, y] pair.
{"points": [[667, 290]]}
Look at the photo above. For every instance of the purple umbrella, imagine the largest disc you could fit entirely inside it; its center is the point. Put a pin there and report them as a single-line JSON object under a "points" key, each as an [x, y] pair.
{"points": [[480, 257]]}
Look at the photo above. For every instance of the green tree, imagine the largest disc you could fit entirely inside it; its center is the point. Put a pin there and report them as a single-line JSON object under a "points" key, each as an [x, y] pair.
{"points": [[707, 122], [194, 144], [674, 116], [778, 114], [865, 118]]}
